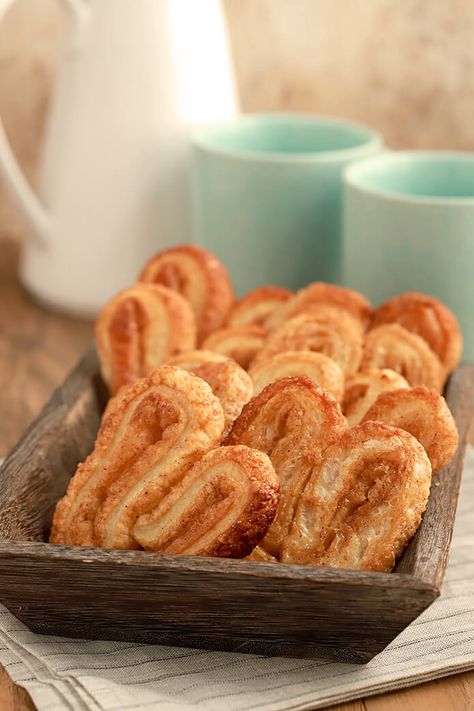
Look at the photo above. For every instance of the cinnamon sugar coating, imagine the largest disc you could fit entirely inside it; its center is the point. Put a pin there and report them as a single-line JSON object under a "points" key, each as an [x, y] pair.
{"points": [[392, 346], [258, 306], [425, 414], [363, 388], [293, 421], [138, 330], [222, 507], [229, 382], [363, 503], [241, 343], [324, 371], [427, 317], [200, 278]]}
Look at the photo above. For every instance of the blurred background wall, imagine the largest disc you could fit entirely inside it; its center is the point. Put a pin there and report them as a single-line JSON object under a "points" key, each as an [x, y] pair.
{"points": [[406, 67]]}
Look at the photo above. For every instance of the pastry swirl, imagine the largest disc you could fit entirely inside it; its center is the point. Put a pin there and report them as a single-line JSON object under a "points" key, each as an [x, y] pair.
{"points": [[293, 421], [156, 430], [427, 317], [325, 330], [241, 343], [363, 388], [321, 294], [198, 276], [363, 503], [138, 330], [324, 371], [258, 306], [229, 382], [222, 507], [424, 414]]}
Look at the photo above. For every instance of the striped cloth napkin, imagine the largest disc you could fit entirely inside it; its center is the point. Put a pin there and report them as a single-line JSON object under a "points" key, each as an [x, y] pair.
{"points": [[77, 674]]}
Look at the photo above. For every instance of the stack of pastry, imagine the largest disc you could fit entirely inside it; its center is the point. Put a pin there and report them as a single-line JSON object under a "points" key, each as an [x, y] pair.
{"points": [[285, 427]]}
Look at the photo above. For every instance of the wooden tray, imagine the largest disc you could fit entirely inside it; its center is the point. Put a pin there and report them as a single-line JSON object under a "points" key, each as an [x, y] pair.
{"points": [[243, 606]]}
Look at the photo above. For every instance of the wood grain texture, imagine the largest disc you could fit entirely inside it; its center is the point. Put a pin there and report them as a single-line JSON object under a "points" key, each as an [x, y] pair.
{"points": [[37, 364]]}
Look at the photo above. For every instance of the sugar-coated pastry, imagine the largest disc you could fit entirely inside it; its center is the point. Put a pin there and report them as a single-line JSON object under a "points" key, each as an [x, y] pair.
{"points": [[229, 382], [261, 555], [425, 414], [324, 371], [363, 388], [139, 329], [392, 346], [327, 330], [293, 421], [258, 306], [222, 507], [363, 503], [321, 294], [158, 428], [241, 343], [429, 318], [198, 276]]}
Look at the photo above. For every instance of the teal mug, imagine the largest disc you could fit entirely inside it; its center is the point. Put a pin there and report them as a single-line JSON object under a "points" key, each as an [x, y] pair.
{"points": [[267, 195], [409, 225]]}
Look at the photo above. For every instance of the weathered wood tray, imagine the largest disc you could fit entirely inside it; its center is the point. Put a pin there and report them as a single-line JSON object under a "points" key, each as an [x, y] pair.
{"points": [[244, 606]]}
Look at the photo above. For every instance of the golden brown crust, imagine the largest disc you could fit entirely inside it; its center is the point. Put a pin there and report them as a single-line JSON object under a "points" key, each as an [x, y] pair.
{"points": [[241, 343], [326, 330], [392, 346], [293, 421], [260, 555], [258, 306], [229, 382], [198, 276], [363, 503], [324, 371], [158, 428], [139, 329], [363, 388], [222, 507], [321, 294], [425, 414], [427, 317]]}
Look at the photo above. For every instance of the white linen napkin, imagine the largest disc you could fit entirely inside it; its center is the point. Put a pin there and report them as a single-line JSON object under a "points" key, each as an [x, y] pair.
{"points": [[78, 674]]}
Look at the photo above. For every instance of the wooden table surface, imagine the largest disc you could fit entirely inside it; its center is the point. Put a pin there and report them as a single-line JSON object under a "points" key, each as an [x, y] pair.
{"points": [[37, 349]]}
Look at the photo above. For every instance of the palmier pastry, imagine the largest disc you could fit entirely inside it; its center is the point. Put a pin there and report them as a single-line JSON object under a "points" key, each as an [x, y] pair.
{"points": [[158, 428], [324, 371], [363, 388], [425, 414], [241, 343], [429, 318], [139, 329], [222, 507], [392, 346], [198, 276], [293, 421], [260, 555], [363, 503], [229, 382], [326, 330], [258, 306], [322, 294]]}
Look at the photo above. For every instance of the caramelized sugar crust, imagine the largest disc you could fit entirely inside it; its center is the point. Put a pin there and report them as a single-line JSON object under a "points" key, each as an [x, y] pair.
{"points": [[324, 371], [363, 388], [392, 346], [258, 306], [363, 502], [200, 278], [292, 421], [425, 414], [241, 343], [229, 382], [138, 330], [427, 317]]}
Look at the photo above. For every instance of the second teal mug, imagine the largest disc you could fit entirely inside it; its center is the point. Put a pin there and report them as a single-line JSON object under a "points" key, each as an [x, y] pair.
{"points": [[267, 195]]}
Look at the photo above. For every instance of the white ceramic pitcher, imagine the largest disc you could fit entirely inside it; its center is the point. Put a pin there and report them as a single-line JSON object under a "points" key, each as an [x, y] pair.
{"points": [[136, 76]]}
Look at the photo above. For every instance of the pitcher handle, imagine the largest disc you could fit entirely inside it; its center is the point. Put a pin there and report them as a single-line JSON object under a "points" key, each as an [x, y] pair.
{"points": [[28, 203]]}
